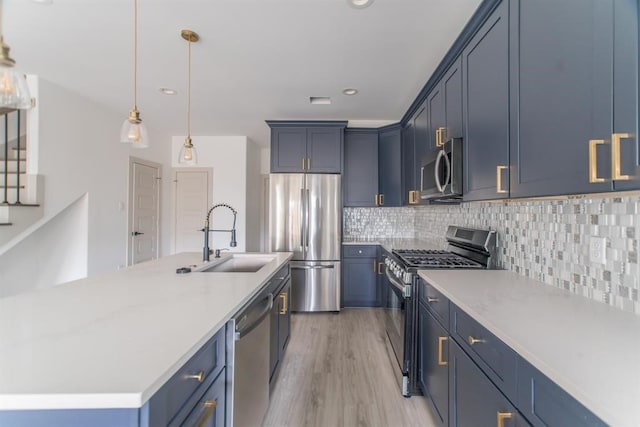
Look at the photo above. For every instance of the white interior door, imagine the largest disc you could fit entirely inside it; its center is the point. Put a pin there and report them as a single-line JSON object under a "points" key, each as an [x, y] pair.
{"points": [[144, 210], [192, 200]]}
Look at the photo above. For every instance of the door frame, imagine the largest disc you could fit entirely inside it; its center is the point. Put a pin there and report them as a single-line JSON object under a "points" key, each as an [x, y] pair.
{"points": [[131, 183], [174, 198]]}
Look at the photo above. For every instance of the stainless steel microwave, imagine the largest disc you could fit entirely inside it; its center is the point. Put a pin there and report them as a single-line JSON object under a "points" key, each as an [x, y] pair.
{"points": [[441, 175]]}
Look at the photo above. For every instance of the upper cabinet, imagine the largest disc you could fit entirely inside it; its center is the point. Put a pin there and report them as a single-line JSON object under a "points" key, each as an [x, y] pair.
{"points": [[407, 140], [360, 180], [445, 107], [306, 147], [485, 94], [389, 167], [372, 167], [574, 115]]}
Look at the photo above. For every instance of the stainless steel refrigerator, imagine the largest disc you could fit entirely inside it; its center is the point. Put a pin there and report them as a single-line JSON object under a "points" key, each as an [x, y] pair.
{"points": [[305, 218]]}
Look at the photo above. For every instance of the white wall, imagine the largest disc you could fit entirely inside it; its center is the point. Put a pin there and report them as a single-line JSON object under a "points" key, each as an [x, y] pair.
{"points": [[227, 155], [254, 197], [54, 252], [80, 152]]}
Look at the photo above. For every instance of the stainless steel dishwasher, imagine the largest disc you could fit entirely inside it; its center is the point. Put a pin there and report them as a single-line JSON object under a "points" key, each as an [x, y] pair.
{"points": [[251, 362]]}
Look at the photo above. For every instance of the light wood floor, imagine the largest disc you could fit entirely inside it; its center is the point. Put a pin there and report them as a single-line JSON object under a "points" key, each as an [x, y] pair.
{"points": [[337, 372]]}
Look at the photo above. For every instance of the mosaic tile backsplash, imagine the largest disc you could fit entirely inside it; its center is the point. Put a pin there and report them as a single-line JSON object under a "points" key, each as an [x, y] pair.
{"points": [[547, 240]]}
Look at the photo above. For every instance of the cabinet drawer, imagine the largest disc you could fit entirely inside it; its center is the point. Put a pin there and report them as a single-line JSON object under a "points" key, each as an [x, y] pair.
{"points": [[209, 411], [193, 377], [493, 356], [437, 303], [360, 251], [544, 403]]}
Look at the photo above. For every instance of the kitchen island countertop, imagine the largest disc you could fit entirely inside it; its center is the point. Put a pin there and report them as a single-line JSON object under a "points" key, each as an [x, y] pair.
{"points": [[111, 341], [588, 348]]}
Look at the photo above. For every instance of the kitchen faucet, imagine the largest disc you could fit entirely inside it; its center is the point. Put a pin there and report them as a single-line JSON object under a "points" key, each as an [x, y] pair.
{"points": [[233, 243]]}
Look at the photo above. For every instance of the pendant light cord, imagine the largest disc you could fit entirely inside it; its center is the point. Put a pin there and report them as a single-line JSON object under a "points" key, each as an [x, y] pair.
{"points": [[189, 94], [135, 54]]}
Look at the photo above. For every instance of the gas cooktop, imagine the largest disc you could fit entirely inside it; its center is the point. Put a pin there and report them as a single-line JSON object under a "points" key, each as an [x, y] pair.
{"points": [[426, 258]]}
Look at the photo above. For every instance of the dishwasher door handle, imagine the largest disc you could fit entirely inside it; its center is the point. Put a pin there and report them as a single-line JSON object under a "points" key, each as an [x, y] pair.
{"points": [[311, 267], [242, 331]]}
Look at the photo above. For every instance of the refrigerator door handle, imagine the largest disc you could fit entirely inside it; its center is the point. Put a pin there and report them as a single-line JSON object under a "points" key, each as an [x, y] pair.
{"points": [[302, 216], [308, 204], [311, 267]]}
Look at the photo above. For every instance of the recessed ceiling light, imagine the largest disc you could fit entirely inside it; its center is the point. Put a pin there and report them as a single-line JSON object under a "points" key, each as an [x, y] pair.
{"points": [[319, 100], [350, 91], [359, 4], [168, 91]]}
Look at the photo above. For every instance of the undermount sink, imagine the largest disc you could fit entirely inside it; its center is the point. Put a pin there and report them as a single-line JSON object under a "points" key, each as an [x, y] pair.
{"points": [[239, 263]]}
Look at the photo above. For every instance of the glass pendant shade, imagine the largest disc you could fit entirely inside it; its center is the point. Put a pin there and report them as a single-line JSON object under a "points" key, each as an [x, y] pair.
{"points": [[134, 132], [188, 155], [14, 92]]}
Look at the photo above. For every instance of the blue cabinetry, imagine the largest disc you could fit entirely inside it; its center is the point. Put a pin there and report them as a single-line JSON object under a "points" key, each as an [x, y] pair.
{"points": [[409, 188], [485, 65], [574, 97], [360, 180], [280, 327], [389, 167], [306, 147], [360, 286]]}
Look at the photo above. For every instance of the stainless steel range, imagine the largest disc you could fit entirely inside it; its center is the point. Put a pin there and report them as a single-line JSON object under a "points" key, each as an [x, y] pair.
{"points": [[466, 248]]}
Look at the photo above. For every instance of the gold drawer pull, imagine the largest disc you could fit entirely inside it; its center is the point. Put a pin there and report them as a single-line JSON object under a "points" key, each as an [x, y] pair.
{"points": [[616, 159], [473, 340], [199, 376], [593, 161], [441, 361], [210, 409], [503, 416], [284, 303], [432, 299], [380, 267]]}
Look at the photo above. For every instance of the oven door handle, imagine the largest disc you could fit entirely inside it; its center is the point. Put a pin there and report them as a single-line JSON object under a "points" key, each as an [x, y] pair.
{"points": [[404, 289]]}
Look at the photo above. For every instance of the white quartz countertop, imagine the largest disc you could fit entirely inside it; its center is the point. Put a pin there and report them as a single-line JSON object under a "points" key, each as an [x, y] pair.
{"points": [[589, 349], [111, 341]]}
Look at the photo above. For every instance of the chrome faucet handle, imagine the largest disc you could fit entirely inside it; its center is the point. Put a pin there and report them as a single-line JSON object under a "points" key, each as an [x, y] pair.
{"points": [[219, 250]]}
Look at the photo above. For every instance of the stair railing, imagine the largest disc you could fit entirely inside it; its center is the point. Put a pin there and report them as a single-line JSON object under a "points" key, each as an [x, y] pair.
{"points": [[6, 160]]}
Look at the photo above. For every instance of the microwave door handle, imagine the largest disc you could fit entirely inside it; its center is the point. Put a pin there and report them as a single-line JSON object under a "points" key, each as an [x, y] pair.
{"points": [[448, 174], [441, 154]]}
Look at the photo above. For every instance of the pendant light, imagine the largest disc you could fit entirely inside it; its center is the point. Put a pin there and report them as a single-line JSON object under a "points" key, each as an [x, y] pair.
{"points": [[133, 131], [14, 92], [188, 155]]}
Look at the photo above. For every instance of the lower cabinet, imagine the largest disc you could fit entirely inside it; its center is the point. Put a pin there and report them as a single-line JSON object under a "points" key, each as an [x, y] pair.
{"points": [[433, 365], [280, 328], [210, 409], [360, 286], [474, 399]]}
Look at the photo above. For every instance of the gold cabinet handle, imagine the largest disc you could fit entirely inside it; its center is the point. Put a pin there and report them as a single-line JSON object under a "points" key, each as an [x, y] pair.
{"points": [[308, 163], [413, 197], [199, 376], [210, 409], [381, 199], [283, 295], [377, 200], [593, 161], [303, 163], [380, 267], [503, 416], [441, 361], [616, 160], [440, 136], [432, 299], [375, 266], [499, 170], [473, 340]]}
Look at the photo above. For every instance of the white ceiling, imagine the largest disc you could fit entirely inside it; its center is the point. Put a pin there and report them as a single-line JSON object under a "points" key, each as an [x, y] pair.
{"points": [[257, 59]]}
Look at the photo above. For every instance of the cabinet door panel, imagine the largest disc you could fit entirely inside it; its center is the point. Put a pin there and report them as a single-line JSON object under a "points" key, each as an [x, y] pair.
{"points": [[433, 367], [389, 168], [360, 282], [436, 112], [486, 108], [452, 88], [421, 143], [475, 401], [360, 168], [562, 76], [288, 149], [324, 149], [625, 90], [408, 163], [284, 321]]}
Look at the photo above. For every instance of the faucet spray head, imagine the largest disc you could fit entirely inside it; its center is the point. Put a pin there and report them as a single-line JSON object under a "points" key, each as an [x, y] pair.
{"points": [[233, 242]]}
